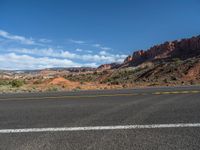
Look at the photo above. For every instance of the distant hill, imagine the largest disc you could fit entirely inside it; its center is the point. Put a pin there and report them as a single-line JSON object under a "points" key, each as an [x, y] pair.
{"points": [[183, 49], [168, 64], [171, 63]]}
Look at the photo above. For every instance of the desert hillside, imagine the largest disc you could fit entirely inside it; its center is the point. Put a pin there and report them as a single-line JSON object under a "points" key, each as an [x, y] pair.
{"points": [[171, 63], [168, 64], [182, 49]]}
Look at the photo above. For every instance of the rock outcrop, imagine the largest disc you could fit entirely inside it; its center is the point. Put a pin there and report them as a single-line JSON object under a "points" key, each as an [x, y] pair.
{"points": [[128, 59], [182, 49], [107, 66]]}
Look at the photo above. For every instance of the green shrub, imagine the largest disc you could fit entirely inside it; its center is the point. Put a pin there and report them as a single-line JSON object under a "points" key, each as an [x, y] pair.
{"points": [[95, 73], [53, 89], [177, 61], [165, 81], [173, 78], [38, 81], [77, 88], [16, 83], [4, 82]]}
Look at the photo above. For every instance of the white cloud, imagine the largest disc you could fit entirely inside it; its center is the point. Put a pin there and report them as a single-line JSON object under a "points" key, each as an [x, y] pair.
{"points": [[12, 61], [102, 57], [105, 48], [96, 45], [48, 52], [101, 47], [89, 51], [23, 40], [36, 55], [45, 40], [93, 65], [91, 45], [103, 53], [79, 50], [77, 41]]}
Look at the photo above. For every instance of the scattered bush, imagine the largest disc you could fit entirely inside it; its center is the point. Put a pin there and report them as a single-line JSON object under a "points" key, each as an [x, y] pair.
{"points": [[77, 88], [52, 89], [16, 83], [165, 81], [4, 82], [173, 78], [95, 73], [38, 81], [115, 82], [177, 61]]}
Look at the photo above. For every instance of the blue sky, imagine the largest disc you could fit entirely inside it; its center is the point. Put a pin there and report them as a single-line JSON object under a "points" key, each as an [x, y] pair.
{"points": [[37, 34]]}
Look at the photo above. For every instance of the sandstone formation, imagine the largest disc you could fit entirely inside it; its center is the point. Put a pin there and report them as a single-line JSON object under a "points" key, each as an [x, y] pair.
{"points": [[183, 49], [107, 66]]}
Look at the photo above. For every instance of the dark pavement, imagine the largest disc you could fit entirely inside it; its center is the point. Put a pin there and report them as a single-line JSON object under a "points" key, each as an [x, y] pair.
{"points": [[102, 108]]}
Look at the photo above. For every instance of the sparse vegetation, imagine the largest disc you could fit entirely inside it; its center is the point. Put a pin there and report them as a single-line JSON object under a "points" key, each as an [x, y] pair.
{"points": [[172, 72], [124, 76], [16, 83], [77, 88], [53, 89], [177, 61], [4, 82], [39, 81]]}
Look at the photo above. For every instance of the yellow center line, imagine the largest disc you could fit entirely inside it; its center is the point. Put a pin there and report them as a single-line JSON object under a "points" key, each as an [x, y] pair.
{"points": [[176, 92], [102, 95], [69, 96], [195, 91]]}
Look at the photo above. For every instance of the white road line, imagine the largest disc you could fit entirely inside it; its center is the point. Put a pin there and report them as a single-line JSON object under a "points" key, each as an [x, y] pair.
{"points": [[93, 128]]}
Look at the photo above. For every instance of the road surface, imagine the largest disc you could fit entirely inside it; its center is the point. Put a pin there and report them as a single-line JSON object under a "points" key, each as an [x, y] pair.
{"points": [[151, 118]]}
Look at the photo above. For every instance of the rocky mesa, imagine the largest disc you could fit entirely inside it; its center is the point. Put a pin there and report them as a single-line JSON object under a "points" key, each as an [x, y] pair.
{"points": [[183, 49]]}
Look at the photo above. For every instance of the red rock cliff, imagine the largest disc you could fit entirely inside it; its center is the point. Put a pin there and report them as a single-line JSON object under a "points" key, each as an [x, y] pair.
{"points": [[184, 48]]}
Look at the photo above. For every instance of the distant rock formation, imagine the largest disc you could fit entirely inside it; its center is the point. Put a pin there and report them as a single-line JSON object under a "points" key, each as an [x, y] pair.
{"points": [[107, 66], [128, 59], [80, 69], [182, 49]]}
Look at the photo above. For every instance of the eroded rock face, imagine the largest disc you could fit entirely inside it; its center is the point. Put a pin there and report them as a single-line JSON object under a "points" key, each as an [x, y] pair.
{"points": [[184, 48], [128, 59], [107, 66]]}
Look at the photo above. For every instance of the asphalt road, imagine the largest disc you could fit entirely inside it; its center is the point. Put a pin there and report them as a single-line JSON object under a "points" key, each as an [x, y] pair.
{"points": [[151, 106]]}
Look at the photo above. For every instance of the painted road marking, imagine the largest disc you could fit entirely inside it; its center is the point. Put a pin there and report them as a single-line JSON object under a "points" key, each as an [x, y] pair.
{"points": [[102, 95], [96, 128], [69, 96], [175, 92]]}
